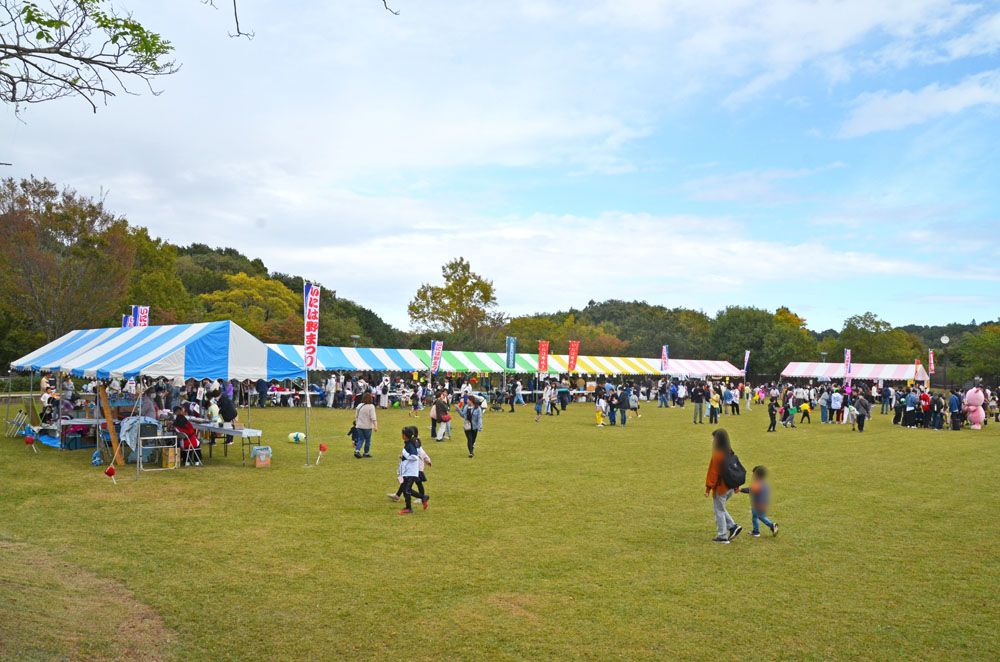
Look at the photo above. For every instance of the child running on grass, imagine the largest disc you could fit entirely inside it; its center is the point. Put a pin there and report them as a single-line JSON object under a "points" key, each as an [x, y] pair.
{"points": [[424, 460], [409, 469], [760, 499], [725, 475]]}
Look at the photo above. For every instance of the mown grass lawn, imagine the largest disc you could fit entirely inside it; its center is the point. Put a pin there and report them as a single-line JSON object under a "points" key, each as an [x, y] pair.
{"points": [[559, 540]]}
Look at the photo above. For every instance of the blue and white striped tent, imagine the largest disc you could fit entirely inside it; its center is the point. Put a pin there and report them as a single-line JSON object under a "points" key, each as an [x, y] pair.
{"points": [[214, 350], [357, 358]]}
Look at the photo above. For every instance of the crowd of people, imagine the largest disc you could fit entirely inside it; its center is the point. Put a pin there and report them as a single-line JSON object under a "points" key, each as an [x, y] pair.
{"points": [[177, 402]]}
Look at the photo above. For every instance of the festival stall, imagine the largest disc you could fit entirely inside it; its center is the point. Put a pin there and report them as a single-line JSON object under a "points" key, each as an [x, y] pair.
{"points": [[359, 359], [869, 372], [210, 350]]}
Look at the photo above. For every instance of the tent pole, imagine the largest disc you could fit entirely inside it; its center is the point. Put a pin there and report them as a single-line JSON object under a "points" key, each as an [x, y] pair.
{"points": [[248, 403], [10, 382], [31, 396], [138, 443]]}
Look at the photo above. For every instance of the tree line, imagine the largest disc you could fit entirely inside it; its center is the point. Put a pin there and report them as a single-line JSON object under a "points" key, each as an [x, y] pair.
{"points": [[67, 262]]}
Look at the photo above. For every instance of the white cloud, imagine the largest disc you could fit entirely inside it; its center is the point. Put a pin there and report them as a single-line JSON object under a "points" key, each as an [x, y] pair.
{"points": [[752, 185], [984, 39], [884, 111]]}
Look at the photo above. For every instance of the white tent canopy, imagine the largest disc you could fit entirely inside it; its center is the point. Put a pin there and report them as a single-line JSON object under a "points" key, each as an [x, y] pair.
{"points": [[890, 372], [215, 350]]}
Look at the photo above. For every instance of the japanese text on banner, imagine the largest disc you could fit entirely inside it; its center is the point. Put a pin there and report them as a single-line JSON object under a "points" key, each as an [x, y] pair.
{"points": [[437, 347], [511, 353], [311, 326], [543, 356], [574, 352]]}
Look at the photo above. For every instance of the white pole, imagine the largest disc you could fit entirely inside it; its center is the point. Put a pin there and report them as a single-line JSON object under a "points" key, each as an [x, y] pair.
{"points": [[10, 382]]}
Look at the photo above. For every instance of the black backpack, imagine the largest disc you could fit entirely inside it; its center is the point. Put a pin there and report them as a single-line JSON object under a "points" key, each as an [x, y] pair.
{"points": [[733, 473]]}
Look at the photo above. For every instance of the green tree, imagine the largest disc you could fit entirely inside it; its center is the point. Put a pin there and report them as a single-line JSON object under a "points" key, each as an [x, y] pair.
{"points": [[594, 340], [737, 329], [65, 260], [872, 340], [17, 338], [264, 307], [465, 306], [646, 328], [978, 354], [84, 48], [155, 282]]}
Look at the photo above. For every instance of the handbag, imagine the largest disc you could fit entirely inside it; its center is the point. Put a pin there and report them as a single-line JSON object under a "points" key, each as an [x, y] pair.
{"points": [[445, 418], [467, 425]]}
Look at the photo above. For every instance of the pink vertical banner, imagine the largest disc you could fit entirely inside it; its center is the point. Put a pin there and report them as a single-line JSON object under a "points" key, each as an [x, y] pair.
{"points": [[930, 362]]}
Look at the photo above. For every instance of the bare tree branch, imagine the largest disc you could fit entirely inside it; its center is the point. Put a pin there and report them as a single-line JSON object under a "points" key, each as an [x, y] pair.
{"points": [[74, 48]]}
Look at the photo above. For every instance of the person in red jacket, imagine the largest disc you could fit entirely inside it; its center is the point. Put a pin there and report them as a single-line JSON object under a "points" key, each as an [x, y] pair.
{"points": [[188, 438], [717, 488]]}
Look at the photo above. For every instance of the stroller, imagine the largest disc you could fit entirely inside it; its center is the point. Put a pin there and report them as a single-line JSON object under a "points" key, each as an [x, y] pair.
{"points": [[498, 399]]}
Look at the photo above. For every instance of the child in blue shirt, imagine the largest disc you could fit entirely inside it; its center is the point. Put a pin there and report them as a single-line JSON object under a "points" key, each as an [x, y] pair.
{"points": [[760, 499]]}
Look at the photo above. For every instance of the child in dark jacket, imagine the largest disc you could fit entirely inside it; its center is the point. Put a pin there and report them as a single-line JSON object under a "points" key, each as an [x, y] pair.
{"points": [[760, 499], [772, 411]]}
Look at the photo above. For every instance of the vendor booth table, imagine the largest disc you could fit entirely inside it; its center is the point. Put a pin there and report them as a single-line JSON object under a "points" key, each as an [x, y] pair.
{"points": [[246, 436]]}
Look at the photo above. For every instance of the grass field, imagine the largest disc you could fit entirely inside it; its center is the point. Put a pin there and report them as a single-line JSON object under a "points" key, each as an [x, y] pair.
{"points": [[558, 541]]}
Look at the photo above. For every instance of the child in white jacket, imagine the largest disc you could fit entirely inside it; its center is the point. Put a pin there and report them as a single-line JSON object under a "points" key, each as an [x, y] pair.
{"points": [[409, 469], [423, 460]]}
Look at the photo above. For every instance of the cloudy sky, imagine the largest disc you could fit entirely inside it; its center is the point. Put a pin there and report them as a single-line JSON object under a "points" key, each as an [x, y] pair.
{"points": [[831, 156]]}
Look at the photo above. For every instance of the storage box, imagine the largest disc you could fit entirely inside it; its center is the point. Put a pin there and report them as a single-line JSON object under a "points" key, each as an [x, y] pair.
{"points": [[261, 456], [147, 454], [72, 442], [168, 457]]}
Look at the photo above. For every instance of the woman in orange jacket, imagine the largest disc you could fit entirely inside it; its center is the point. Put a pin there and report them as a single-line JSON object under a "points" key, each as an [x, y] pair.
{"points": [[717, 488]]}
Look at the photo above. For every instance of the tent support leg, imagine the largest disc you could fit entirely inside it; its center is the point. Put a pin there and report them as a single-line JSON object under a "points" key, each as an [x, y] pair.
{"points": [[10, 386]]}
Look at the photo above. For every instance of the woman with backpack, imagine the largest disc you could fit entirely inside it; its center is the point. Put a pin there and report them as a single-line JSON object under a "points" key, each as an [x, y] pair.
{"points": [[725, 475]]}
